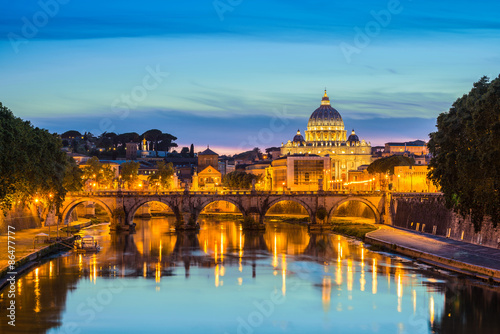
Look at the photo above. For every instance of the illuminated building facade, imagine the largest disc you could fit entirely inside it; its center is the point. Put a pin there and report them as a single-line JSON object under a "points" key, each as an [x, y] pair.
{"points": [[298, 173], [326, 136]]}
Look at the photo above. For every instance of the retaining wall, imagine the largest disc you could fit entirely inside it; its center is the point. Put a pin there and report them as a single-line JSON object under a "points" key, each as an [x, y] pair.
{"points": [[427, 213]]}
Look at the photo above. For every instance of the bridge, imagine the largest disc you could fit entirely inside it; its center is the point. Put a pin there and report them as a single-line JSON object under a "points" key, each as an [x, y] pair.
{"points": [[122, 206]]}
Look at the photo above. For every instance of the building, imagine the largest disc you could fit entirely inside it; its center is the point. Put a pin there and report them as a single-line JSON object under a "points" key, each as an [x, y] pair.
{"points": [[131, 151], [207, 158], [412, 179], [298, 173], [208, 179], [417, 147], [326, 136], [259, 168]]}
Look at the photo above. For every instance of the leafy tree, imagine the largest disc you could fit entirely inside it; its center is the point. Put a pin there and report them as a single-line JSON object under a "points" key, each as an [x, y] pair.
{"points": [[32, 164], [167, 142], [71, 134], [129, 172], [466, 153], [163, 177], [154, 136], [101, 174], [125, 138], [185, 151], [191, 151], [238, 180], [105, 141], [386, 165], [73, 176]]}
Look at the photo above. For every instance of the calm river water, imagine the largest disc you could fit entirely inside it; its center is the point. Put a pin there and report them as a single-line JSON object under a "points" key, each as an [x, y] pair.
{"points": [[223, 280]]}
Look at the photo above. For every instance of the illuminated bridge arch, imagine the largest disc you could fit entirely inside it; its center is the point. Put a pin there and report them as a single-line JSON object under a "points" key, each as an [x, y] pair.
{"points": [[370, 205], [72, 205]]}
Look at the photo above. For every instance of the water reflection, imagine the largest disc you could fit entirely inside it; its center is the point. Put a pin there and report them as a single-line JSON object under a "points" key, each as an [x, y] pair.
{"points": [[225, 275]]}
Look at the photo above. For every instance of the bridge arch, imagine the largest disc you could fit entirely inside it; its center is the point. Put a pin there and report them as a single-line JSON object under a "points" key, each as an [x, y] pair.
{"points": [[305, 205], [209, 201], [72, 205], [133, 209], [369, 204]]}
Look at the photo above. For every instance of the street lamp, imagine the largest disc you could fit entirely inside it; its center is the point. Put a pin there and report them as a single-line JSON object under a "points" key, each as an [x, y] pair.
{"points": [[398, 183], [283, 187]]}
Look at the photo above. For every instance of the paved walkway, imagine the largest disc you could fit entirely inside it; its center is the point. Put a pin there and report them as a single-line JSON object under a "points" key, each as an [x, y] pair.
{"points": [[464, 252], [24, 241]]}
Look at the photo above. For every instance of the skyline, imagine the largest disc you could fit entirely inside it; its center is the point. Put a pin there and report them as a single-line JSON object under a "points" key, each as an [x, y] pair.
{"points": [[232, 70]]}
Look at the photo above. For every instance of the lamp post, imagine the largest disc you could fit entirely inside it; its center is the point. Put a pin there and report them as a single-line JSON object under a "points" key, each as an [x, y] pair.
{"points": [[283, 187], [398, 183]]}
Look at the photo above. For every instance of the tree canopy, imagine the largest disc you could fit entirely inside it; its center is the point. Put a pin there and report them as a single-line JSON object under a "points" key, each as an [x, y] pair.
{"points": [[97, 172], [387, 164], [129, 172], [32, 164], [163, 177], [466, 153], [71, 134], [238, 180]]}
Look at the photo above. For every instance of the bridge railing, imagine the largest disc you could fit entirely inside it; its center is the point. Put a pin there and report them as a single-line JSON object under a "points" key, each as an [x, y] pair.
{"points": [[114, 193]]}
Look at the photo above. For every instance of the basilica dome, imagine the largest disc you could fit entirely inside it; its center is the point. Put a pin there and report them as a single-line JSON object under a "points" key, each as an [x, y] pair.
{"points": [[325, 124], [298, 138], [353, 137]]}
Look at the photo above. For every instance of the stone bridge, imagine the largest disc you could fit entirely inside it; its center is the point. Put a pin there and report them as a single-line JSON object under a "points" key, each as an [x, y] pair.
{"points": [[122, 206]]}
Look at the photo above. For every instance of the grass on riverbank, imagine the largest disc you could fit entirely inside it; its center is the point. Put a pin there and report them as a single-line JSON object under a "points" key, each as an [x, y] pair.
{"points": [[352, 229]]}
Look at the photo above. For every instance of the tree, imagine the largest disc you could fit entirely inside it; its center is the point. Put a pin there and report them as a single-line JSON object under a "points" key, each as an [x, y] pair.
{"points": [[162, 141], [99, 173], [73, 176], [125, 138], [129, 172], [71, 134], [386, 165], [238, 180], [32, 164], [465, 153], [191, 151], [166, 142], [163, 177]]}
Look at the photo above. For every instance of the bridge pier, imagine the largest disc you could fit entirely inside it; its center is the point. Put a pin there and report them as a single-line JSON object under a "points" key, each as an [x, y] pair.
{"points": [[187, 221], [253, 221], [387, 216]]}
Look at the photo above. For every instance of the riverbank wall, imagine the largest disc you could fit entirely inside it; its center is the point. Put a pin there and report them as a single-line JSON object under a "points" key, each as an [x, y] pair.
{"points": [[20, 217], [27, 262], [427, 213], [435, 260]]}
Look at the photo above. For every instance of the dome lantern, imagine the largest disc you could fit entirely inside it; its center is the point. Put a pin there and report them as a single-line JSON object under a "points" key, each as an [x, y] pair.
{"points": [[325, 101], [325, 124]]}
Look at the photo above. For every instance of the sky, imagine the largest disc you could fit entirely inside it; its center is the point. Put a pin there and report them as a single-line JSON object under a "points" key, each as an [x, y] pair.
{"points": [[236, 74]]}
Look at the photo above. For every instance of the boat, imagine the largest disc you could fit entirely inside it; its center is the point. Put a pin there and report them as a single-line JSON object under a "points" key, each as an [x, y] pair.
{"points": [[86, 244]]}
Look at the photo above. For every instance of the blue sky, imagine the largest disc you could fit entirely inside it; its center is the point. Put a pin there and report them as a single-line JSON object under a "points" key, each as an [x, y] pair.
{"points": [[237, 74]]}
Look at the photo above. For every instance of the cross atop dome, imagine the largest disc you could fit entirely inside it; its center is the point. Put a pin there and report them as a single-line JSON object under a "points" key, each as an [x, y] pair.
{"points": [[325, 101]]}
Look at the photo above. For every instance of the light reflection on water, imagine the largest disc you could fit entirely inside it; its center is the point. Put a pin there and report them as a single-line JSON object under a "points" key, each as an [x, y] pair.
{"points": [[224, 280]]}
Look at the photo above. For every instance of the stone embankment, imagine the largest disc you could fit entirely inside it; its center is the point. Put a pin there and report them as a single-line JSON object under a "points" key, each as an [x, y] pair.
{"points": [[465, 258]]}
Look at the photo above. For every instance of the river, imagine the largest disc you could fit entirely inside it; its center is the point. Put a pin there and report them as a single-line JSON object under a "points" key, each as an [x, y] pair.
{"points": [[224, 280]]}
